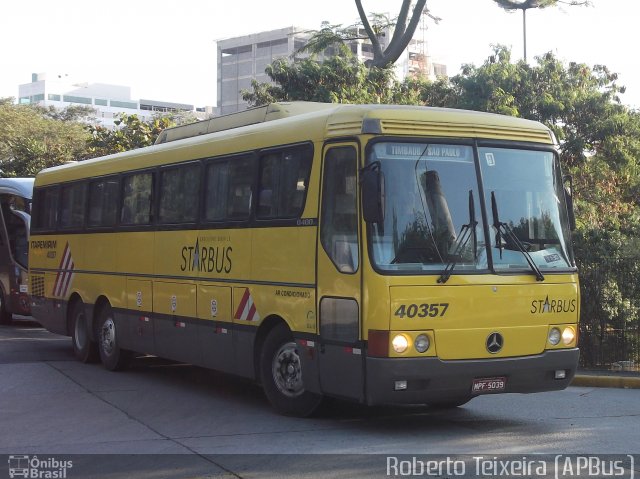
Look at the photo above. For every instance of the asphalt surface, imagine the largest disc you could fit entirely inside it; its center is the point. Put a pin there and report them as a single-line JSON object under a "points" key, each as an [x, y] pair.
{"points": [[163, 419]]}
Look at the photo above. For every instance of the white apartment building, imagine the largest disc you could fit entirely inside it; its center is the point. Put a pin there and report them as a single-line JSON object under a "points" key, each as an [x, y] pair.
{"points": [[108, 100], [244, 58]]}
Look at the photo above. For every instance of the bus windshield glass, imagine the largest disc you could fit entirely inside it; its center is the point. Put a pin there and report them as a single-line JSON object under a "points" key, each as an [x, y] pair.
{"points": [[432, 211], [431, 193], [529, 201]]}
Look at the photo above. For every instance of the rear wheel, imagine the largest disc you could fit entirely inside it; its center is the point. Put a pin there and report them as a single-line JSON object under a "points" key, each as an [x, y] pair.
{"points": [[113, 358], [5, 316], [281, 375], [84, 349]]}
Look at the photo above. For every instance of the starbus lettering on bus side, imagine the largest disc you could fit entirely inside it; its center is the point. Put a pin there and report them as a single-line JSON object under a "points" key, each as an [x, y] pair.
{"points": [[208, 259]]}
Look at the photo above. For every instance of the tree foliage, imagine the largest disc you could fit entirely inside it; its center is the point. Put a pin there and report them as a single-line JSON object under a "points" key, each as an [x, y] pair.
{"points": [[33, 138], [131, 132], [339, 79]]}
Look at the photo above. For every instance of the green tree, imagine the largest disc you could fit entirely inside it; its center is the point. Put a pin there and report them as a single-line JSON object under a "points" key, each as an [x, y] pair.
{"points": [[131, 132], [599, 137], [80, 113], [600, 146], [33, 138], [339, 79]]}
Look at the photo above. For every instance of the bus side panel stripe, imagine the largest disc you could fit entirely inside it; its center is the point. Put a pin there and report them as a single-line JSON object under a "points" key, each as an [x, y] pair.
{"points": [[65, 267], [68, 275], [242, 305], [64, 274], [247, 309], [252, 312], [57, 281]]}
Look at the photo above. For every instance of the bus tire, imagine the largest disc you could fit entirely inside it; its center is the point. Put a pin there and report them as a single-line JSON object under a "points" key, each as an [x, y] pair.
{"points": [[113, 358], [281, 375], [84, 349], [5, 316]]}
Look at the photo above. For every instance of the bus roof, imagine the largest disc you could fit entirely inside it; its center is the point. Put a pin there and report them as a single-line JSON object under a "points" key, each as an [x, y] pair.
{"points": [[295, 122], [22, 187]]}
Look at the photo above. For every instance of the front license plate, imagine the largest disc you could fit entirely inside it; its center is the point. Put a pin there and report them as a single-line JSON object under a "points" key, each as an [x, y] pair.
{"points": [[488, 385]]}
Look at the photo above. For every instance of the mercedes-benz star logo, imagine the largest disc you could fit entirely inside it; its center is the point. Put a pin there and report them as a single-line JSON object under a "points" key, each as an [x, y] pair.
{"points": [[495, 341]]}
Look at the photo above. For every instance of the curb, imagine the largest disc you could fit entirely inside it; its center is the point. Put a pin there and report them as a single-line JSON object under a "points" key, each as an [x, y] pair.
{"points": [[587, 380]]}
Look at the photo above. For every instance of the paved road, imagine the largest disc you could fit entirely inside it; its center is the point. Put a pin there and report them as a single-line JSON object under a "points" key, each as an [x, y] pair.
{"points": [[52, 404]]}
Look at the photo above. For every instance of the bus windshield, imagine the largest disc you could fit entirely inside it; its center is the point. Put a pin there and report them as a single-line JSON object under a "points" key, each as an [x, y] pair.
{"points": [[529, 200], [433, 214], [431, 193]]}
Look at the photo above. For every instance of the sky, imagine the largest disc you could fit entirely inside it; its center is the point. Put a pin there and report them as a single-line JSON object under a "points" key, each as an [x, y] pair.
{"points": [[166, 50]]}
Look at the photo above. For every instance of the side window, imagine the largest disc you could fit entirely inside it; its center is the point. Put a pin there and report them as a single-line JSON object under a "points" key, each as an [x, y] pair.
{"points": [[37, 209], [229, 189], [136, 199], [179, 193], [269, 179], [239, 195], [217, 186], [339, 217], [72, 206], [284, 178], [45, 208], [103, 202]]}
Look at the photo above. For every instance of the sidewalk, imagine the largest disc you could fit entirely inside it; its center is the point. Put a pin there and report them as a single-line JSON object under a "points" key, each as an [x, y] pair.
{"points": [[607, 379]]}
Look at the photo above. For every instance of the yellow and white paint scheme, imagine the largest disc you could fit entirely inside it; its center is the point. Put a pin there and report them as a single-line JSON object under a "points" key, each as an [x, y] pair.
{"points": [[210, 294]]}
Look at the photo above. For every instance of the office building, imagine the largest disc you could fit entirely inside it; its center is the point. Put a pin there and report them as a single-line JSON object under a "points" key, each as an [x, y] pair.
{"points": [[243, 59], [107, 100]]}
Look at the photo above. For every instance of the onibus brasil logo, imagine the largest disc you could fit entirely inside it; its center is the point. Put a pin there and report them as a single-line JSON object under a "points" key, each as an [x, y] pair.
{"points": [[36, 468]]}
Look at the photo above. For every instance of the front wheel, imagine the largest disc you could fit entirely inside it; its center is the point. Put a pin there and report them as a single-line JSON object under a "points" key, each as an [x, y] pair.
{"points": [[84, 349], [113, 358], [281, 375]]}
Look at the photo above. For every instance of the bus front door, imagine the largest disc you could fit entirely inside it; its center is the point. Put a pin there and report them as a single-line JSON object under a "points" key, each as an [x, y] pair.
{"points": [[340, 352]]}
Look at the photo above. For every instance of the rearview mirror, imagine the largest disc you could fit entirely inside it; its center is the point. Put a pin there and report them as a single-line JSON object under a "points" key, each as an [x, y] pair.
{"points": [[372, 183]]}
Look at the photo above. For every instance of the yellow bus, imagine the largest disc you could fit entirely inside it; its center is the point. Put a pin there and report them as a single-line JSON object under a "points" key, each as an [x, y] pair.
{"points": [[383, 254]]}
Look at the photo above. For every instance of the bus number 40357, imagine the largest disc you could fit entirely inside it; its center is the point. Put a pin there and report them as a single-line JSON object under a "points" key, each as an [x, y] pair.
{"points": [[422, 310]]}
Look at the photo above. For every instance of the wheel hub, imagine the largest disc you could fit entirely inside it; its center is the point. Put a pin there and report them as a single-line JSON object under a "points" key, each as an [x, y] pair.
{"points": [[287, 370], [108, 336]]}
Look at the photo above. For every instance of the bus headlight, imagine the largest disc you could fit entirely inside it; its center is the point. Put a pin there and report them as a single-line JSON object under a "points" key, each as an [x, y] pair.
{"points": [[568, 335], [554, 336], [400, 343], [422, 343]]}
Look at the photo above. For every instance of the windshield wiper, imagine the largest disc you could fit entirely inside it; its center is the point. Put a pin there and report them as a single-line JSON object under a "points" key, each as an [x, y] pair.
{"points": [[467, 232], [507, 231]]}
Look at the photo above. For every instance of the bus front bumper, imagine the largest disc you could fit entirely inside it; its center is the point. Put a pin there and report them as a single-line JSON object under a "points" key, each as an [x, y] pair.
{"points": [[431, 380]]}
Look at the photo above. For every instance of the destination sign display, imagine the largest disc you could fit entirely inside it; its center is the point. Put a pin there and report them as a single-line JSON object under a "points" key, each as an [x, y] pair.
{"points": [[413, 151]]}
